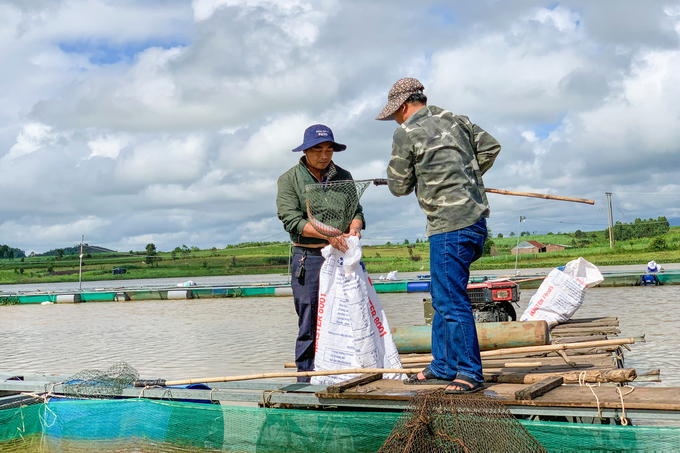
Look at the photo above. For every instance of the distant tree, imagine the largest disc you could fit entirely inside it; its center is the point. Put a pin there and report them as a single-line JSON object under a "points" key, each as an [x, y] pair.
{"points": [[21, 270], [512, 233], [205, 263], [22, 259], [151, 253], [195, 249], [578, 234], [550, 233], [58, 254], [640, 229], [388, 243], [11, 254], [500, 236], [406, 242], [487, 247], [214, 249], [525, 233], [173, 255], [178, 250]]}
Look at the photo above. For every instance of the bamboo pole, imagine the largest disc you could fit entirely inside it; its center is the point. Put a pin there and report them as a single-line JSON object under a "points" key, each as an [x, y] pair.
{"points": [[545, 348], [540, 195], [427, 360], [533, 279], [248, 377]]}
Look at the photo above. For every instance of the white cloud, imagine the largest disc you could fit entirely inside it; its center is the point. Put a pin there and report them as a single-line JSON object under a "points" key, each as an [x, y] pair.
{"points": [[162, 161], [33, 137], [108, 146]]}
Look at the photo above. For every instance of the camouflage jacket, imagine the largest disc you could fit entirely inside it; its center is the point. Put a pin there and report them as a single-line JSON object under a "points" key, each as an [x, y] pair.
{"points": [[443, 157], [291, 199]]}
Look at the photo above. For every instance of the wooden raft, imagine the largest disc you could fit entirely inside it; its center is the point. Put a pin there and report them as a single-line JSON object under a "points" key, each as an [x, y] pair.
{"points": [[536, 379]]}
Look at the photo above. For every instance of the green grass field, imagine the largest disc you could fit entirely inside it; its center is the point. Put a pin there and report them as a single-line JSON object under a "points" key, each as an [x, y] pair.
{"points": [[273, 258]]}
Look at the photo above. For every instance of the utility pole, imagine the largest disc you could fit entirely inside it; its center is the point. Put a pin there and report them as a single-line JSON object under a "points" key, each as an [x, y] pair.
{"points": [[611, 219], [519, 227], [80, 273]]}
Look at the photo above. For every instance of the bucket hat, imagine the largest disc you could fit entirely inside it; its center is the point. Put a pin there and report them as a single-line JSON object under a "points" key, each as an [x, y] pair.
{"points": [[318, 134], [399, 92]]}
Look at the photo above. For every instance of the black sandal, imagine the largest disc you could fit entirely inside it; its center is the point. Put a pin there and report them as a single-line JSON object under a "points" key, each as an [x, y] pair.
{"points": [[466, 384], [430, 379]]}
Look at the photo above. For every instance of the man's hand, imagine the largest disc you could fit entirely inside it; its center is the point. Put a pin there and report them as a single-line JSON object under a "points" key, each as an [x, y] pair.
{"points": [[355, 228], [354, 232], [338, 243]]}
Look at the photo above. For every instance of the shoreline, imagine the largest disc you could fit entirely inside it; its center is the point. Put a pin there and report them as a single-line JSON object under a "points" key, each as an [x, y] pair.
{"points": [[260, 279]]}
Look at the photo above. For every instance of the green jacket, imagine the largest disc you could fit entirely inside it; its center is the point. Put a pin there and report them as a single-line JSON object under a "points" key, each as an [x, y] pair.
{"points": [[291, 199], [443, 157]]}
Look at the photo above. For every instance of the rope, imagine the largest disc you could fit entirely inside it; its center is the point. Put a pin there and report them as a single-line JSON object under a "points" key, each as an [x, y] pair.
{"points": [[45, 399], [582, 382], [624, 420], [267, 401]]}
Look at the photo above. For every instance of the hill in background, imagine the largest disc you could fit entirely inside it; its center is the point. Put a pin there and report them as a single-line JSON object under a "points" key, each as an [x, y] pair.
{"points": [[75, 250]]}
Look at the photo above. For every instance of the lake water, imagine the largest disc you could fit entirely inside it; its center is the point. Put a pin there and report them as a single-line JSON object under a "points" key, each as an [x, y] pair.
{"points": [[216, 337]]}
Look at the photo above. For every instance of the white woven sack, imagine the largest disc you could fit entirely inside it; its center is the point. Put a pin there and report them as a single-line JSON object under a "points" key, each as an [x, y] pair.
{"points": [[352, 329], [562, 292]]}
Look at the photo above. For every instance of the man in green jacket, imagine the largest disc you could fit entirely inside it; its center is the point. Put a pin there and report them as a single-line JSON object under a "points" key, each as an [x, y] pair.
{"points": [[291, 201], [442, 157]]}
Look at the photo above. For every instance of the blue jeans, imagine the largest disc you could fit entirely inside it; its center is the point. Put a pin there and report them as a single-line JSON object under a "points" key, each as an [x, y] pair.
{"points": [[454, 337]]}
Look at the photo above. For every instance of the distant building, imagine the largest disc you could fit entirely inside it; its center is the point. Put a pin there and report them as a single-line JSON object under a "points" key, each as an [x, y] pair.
{"points": [[555, 247], [528, 247], [536, 247]]}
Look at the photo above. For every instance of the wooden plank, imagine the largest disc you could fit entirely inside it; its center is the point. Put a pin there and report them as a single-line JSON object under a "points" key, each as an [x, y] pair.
{"points": [[585, 320], [613, 323], [539, 388], [570, 377], [349, 383]]}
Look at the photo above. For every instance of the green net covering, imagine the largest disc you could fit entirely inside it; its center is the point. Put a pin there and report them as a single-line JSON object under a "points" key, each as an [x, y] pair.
{"points": [[133, 425]]}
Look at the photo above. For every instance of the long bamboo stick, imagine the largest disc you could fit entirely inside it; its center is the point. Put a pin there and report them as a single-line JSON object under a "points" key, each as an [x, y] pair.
{"points": [[427, 360], [545, 348], [248, 377], [539, 195]]}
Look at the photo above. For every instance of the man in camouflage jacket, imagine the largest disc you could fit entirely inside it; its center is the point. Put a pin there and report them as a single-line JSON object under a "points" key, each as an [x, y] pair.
{"points": [[443, 157]]}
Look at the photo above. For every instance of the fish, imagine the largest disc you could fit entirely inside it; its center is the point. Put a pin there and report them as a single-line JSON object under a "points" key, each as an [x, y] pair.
{"points": [[321, 227]]}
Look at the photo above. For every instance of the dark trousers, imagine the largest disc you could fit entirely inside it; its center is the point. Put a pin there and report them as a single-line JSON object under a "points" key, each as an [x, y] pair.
{"points": [[306, 297]]}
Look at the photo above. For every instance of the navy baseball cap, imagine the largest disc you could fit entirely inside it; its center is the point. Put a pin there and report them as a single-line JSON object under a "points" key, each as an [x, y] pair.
{"points": [[318, 134]]}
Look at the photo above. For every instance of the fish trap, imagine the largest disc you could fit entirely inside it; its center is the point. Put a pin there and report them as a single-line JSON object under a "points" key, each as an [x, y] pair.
{"points": [[435, 422]]}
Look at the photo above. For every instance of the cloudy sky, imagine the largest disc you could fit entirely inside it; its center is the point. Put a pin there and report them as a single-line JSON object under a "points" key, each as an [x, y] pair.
{"points": [[169, 121]]}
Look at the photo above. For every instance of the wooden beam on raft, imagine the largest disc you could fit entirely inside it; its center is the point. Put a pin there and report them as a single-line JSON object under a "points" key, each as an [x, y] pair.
{"points": [[572, 377], [348, 384], [539, 388]]}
